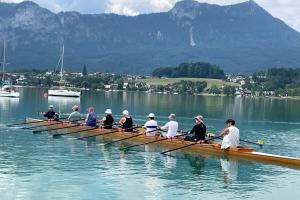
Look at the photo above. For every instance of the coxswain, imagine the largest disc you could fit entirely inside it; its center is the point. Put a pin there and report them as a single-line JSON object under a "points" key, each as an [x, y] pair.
{"points": [[50, 114], [171, 127], [108, 120], [231, 135], [91, 117], [151, 125], [198, 132], [75, 116], [126, 122]]}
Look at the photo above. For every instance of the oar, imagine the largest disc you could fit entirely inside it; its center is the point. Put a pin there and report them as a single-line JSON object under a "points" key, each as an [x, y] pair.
{"points": [[25, 123], [100, 134], [51, 124], [54, 129], [140, 134], [153, 141], [259, 142], [79, 131], [192, 144]]}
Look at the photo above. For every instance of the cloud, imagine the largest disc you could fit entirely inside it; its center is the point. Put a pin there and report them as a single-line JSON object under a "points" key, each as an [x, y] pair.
{"points": [[134, 7]]}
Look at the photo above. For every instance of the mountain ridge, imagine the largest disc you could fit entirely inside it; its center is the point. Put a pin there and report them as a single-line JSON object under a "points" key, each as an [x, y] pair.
{"points": [[240, 37]]}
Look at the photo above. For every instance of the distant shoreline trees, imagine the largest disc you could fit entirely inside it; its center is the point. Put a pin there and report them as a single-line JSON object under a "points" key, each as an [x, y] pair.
{"points": [[191, 70]]}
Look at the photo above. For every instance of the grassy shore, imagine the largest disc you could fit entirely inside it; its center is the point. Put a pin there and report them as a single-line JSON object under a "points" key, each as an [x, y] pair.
{"points": [[166, 81]]}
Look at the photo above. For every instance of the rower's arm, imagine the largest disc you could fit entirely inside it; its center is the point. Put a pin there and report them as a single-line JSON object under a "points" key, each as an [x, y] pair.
{"points": [[225, 132]]}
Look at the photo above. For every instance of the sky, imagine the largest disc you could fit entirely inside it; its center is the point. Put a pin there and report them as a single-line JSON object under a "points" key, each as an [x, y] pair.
{"points": [[286, 10]]}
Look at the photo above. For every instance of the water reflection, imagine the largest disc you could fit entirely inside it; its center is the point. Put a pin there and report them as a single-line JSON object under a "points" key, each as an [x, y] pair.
{"points": [[63, 103], [230, 169]]}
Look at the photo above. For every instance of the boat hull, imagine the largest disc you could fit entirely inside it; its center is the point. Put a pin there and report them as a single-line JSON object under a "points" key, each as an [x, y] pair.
{"points": [[212, 148], [9, 94], [64, 93]]}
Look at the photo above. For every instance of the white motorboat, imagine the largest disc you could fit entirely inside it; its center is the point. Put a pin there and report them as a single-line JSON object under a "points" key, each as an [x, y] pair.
{"points": [[9, 91], [60, 92]]}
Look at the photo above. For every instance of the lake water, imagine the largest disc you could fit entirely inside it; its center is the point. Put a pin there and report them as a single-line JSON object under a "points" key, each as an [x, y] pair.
{"points": [[34, 167]]}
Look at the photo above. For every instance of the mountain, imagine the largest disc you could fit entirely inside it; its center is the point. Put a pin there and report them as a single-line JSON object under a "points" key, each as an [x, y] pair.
{"points": [[240, 38]]}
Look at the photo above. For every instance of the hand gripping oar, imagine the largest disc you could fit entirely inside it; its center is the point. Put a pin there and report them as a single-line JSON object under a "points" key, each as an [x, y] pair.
{"points": [[127, 138], [51, 124], [192, 144], [153, 141], [100, 134], [53, 129]]}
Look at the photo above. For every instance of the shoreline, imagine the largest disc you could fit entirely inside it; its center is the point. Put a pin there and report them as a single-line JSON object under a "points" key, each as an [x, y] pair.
{"points": [[199, 94]]}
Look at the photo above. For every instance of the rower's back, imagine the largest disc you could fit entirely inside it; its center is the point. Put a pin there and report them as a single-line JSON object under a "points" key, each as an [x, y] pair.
{"points": [[128, 124], [232, 139]]}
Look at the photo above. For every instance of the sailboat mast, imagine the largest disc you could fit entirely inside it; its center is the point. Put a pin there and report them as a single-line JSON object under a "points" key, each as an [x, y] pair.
{"points": [[3, 61], [62, 63]]}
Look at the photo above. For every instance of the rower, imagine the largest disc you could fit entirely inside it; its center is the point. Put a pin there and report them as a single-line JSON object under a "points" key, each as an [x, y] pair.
{"points": [[126, 122], [198, 131], [151, 125], [50, 114], [108, 120], [171, 127], [75, 115], [231, 135], [91, 118]]}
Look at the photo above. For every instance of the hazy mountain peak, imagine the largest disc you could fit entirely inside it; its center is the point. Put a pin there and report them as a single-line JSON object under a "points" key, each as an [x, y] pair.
{"points": [[240, 37], [186, 8]]}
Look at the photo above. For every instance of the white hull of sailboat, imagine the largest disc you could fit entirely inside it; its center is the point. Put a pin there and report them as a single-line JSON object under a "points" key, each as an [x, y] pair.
{"points": [[9, 94], [64, 93]]}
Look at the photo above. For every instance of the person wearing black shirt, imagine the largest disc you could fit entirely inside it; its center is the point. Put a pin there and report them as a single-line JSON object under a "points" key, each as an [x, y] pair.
{"points": [[198, 131], [50, 114], [126, 122], [108, 120]]}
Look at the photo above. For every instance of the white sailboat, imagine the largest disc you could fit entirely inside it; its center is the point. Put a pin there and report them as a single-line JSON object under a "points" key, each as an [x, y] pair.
{"points": [[6, 90], [62, 91]]}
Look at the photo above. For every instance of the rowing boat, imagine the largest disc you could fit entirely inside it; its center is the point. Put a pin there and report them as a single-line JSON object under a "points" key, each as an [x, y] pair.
{"points": [[213, 147]]}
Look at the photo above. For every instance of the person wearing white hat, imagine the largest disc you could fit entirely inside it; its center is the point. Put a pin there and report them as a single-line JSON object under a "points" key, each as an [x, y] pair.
{"points": [[108, 120], [75, 116], [198, 132], [50, 114], [171, 127], [126, 121], [151, 125]]}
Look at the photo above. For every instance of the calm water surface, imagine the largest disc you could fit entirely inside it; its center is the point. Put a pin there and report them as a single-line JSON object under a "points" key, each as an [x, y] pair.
{"points": [[34, 167]]}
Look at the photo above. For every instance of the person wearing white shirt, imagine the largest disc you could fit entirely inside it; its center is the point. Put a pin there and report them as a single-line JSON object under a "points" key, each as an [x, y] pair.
{"points": [[151, 125], [231, 135], [171, 127]]}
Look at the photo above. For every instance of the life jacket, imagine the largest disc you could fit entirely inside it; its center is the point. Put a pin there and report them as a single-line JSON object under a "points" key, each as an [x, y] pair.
{"points": [[92, 119], [127, 125]]}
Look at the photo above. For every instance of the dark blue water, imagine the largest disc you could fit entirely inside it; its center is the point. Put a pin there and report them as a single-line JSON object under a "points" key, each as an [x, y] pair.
{"points": [[40, 167]]}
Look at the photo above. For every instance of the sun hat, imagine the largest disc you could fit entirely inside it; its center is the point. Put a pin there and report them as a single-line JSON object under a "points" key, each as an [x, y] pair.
{"points": [[108, 111], [75, 107], [199, 118], [151, 115], [125, 112], [172, 116]]}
